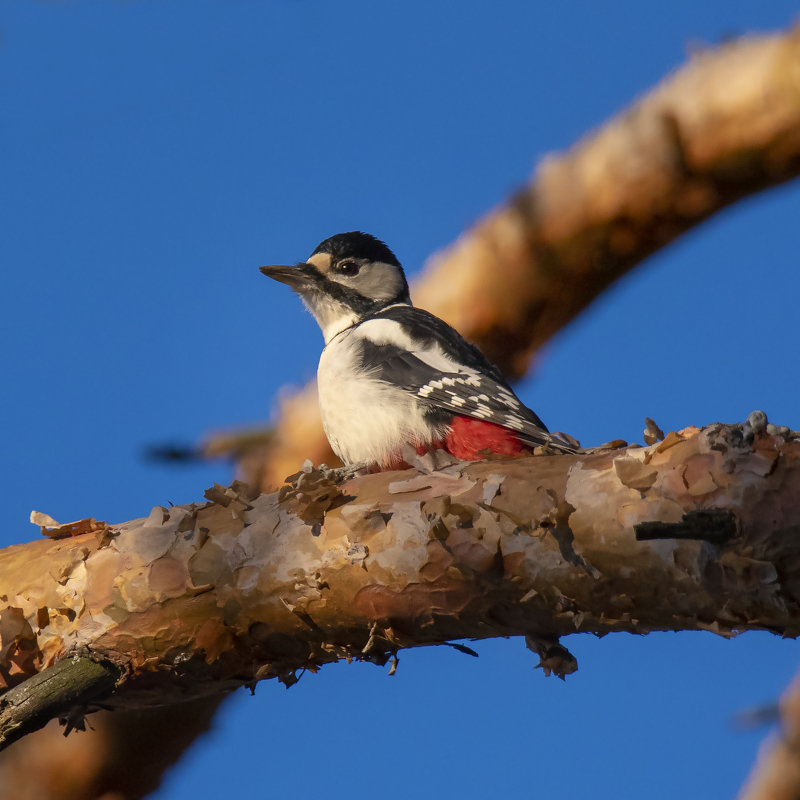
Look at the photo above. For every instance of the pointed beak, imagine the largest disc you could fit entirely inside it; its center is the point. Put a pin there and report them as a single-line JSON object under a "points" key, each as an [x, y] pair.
{"points": [[299, 277]]}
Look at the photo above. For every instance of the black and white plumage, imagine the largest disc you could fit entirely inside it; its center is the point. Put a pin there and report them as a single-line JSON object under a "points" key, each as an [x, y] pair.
{"points": [[390, 374]]}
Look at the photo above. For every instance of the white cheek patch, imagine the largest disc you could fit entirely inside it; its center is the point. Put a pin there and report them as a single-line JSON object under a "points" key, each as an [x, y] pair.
{"points": [[375, 281], [379, 281]]}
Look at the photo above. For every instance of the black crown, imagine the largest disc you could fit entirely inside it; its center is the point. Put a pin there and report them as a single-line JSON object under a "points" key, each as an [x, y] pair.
{"points": [[356, 244]]}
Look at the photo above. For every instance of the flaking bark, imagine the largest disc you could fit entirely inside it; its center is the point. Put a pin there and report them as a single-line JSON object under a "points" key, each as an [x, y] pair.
{"points": [[196, 600]]}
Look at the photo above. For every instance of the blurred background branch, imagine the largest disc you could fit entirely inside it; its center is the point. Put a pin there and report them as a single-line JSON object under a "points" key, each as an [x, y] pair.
{"points": [[723, 127], [776, 774]]}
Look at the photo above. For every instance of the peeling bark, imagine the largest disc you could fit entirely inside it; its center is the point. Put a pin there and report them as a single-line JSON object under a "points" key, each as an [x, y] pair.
{"points": [[195, 600], [723, 127]]}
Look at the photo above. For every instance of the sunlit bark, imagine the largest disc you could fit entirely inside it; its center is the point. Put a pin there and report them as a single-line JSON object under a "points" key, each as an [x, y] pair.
{"points": [[695, 532]]}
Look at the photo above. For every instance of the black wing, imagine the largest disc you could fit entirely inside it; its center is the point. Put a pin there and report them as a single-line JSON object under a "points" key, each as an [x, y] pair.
{"points": [[449, 375]]}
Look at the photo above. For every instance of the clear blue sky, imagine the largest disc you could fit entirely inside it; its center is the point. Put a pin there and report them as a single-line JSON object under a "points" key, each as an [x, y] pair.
{"points": [[156, 153]]}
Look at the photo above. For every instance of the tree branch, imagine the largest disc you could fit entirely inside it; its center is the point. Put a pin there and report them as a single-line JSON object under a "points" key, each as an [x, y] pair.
{"points": [[122, 754], [723, 127], [65, 689], [196, 600], [776, 774]]}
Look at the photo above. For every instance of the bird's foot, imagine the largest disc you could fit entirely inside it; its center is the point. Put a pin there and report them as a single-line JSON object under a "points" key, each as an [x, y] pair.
{"points": [[342, 474]]}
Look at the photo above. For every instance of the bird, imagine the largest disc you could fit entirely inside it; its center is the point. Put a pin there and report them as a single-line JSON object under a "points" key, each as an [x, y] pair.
{"points": [[393, 375]]}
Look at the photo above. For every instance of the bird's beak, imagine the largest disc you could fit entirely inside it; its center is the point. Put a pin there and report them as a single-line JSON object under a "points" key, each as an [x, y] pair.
{"points": [[299, 277]]}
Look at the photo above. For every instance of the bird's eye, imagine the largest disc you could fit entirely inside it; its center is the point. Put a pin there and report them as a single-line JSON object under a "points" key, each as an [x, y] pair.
{"points": [[348, 268]]}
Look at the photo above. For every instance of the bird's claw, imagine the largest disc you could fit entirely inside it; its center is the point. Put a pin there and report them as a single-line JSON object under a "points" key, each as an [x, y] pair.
{"points": [[342, 474]]}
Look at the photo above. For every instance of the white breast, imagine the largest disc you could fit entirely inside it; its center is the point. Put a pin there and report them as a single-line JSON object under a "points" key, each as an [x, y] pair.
{"points": [[366, 421]]}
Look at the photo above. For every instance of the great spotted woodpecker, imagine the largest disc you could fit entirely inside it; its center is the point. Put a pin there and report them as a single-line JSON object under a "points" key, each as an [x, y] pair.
{"points": [[391, 375]]}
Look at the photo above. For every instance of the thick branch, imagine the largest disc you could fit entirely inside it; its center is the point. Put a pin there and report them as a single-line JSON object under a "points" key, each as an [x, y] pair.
{"points": [[724, 126], [198, 599]]}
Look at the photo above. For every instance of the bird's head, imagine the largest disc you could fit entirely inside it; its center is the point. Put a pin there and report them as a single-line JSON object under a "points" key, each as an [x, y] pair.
{"points": [[348, 277]]}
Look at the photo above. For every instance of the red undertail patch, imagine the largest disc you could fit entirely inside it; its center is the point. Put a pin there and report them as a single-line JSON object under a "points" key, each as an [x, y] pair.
{"points": [[470, 440]]}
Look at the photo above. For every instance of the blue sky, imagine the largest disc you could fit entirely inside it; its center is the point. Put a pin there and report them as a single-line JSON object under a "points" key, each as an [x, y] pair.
{"points": [[155, 153]]}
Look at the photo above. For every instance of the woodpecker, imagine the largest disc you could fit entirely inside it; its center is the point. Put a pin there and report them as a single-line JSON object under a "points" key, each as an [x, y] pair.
{"points": [[391, 374]]}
